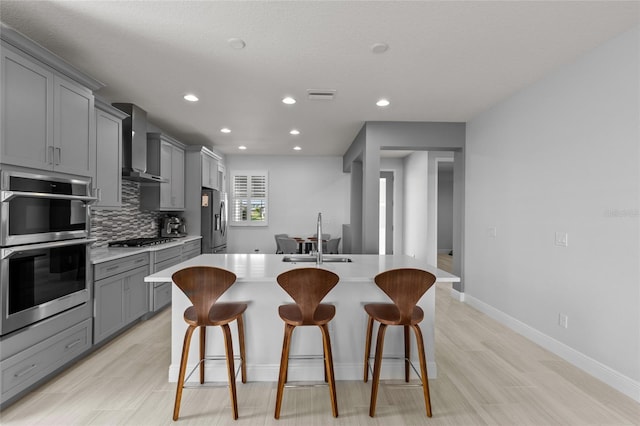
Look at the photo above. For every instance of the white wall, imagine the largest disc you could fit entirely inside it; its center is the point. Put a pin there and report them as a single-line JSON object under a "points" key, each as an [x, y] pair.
{"points": [[299, 188], [415, 205], [563, 156]]}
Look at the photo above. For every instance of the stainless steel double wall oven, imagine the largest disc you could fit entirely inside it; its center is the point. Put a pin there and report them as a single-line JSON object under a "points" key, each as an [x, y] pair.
{"points": [[44, 238]]}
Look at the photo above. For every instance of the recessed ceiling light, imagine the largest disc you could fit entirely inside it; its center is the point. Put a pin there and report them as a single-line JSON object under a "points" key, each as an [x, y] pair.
{"points": [[297, 148], [242, 147], [379, 47], [288, 100], [382, 103], [225, 130], [236, 43], [294, 132], [191, 97]]}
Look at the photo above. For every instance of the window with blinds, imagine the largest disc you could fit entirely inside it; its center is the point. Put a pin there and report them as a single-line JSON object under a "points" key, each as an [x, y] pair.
{"points": [[249, 193]]}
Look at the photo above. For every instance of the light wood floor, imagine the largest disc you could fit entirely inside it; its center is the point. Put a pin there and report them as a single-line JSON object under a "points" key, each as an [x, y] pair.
{"points": [[487, 375]]}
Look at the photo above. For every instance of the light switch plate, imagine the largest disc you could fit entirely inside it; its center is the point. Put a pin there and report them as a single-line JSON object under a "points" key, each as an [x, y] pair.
{"points": [[562, 239]]}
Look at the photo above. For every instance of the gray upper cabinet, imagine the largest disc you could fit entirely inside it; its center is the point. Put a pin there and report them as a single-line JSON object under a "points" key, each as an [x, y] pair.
{"points": [[108, 160], [166, 159], [27, 112], [47, 120], [74, 128], [209, 171]]}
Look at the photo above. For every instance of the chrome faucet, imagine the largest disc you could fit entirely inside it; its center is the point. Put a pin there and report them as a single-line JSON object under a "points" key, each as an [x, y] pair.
{"points": [[319, 240]]}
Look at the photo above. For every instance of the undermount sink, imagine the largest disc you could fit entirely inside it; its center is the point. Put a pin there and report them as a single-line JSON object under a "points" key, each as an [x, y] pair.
{"points": [[312, 259]]}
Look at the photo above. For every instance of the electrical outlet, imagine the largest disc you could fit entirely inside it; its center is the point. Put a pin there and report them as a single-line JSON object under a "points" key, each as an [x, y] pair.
{"points": [[492, 232], [563, 320], [562, 239]]}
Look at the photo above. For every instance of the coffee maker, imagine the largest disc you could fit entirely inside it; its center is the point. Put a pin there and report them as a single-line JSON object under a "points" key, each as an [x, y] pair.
{"points": [[173, 226]]}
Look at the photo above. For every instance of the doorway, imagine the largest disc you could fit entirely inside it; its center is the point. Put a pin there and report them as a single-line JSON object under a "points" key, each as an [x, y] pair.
{"points": [[386, 213]]}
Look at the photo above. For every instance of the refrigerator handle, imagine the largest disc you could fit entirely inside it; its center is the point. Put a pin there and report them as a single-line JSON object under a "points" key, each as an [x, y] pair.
{"points": [[223, 218]]}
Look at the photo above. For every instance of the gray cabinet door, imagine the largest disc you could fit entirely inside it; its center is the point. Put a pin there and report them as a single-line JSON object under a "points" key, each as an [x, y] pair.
{"points": [[108, 159], [177, 178], [27, 112], [172, 168], [74, 132], [109, 316], [166, 150], [136, 295]]}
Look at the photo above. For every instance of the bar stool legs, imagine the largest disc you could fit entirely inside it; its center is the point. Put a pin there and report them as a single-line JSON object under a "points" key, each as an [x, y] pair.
{"points": [[328, 371], [226, 330], [328, 367], [378, 362], [284, 367], [183, 368]]}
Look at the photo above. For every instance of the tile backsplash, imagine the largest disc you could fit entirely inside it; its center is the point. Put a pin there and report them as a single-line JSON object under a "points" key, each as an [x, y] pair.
{"points": [[125, 223]]}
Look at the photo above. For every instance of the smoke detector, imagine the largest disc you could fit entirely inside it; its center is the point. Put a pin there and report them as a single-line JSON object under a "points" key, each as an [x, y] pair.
{"points": [[321, 94]]}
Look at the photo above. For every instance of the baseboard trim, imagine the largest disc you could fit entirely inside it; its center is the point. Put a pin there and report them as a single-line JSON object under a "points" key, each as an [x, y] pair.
{"points": [[459, 296], [606, 374]]}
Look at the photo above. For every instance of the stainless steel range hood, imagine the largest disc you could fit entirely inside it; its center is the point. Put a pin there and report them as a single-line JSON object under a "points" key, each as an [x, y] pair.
{"points": [[134, 145]]}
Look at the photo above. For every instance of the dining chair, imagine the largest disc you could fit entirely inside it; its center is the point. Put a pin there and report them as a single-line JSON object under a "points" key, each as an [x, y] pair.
{"points": [[203, 285], [307, 287], [277, 237], [332, 245], [288, 245], [404, 287], [325, 238]]}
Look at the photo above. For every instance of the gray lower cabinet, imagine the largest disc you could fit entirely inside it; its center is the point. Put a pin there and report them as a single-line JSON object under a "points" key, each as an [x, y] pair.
{"points": [[120, 294], [160, 293], [40, 360], [191, 249]]}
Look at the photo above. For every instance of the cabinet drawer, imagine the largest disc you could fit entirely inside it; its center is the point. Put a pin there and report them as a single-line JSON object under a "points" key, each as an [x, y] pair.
{"points": [[114, 267], [27, 367], [190, 249], [191, 246], [167, 254], [161, 296]]}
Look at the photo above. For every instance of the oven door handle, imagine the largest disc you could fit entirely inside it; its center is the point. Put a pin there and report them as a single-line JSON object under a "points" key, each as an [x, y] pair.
{"points": [[6, 253], [10, 195]]}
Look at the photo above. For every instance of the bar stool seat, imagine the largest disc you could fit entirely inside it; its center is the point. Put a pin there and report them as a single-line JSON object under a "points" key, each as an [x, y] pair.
{"points": [[224, 313], [404, 287], [203, 285], [307, 287], [292, 314], [389, 314]]}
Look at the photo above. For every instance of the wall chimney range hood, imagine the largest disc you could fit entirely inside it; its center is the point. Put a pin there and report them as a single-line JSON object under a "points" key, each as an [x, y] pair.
{"points": [[134, 145]]}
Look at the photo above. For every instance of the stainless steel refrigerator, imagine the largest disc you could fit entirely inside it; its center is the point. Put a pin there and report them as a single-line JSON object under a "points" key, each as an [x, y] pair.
{"points": [[214, 221]]}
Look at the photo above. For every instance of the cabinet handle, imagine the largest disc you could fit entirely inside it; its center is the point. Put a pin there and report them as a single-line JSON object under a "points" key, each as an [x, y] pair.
{"points": [[25, 371], [49, 155], [113, 268], [59, 151], [74, 343], [139, 261]]}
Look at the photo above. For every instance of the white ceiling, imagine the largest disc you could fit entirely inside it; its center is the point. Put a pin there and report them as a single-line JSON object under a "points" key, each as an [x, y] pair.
{"points": [[447, 60]]}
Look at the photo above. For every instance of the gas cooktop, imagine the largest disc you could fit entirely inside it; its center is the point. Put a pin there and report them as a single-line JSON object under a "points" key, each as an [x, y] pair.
{"points": [[140, 242]]}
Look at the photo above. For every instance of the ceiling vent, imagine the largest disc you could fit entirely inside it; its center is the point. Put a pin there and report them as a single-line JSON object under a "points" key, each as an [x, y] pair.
{"points": [[320, 95]]}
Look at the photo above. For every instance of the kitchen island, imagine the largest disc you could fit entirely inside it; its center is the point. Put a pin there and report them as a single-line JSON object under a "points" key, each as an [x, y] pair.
{"points": [[256, 285]]}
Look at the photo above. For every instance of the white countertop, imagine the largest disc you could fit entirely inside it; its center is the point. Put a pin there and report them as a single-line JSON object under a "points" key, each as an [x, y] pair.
{"points": [[105, 254], [266, 267]]}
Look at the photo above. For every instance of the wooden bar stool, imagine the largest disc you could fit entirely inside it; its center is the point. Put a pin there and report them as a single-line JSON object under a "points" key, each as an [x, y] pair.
{"points": [[307, 287], [203, 285], [405, 287]]}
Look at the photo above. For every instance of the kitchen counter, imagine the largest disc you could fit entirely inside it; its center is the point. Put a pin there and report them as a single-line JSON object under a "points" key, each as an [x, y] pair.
{"points": [[105, 254], [256, 284]]}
